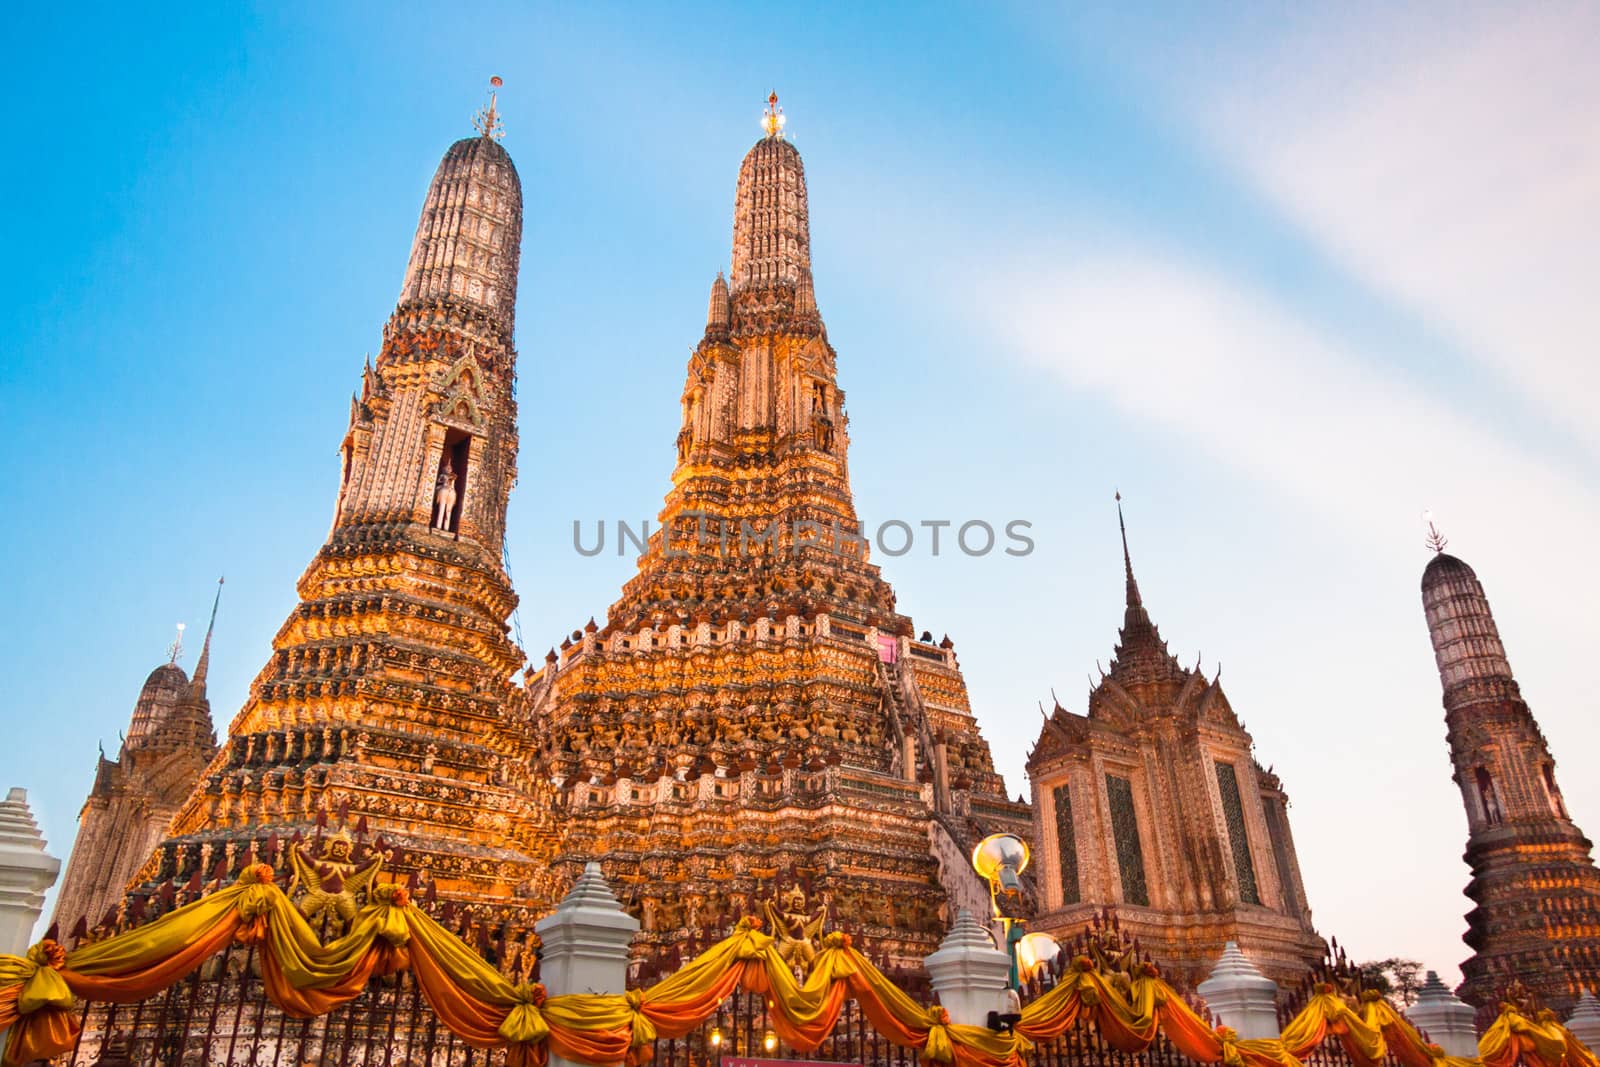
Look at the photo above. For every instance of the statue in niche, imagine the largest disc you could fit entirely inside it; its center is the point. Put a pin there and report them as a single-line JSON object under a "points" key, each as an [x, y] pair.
{"points": [[444, 495], [821, 423], [1491, 801], [824, 431]]}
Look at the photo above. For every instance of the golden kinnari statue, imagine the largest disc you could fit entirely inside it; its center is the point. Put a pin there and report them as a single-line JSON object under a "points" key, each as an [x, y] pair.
{"points": [[796, 929], [331, 881]]}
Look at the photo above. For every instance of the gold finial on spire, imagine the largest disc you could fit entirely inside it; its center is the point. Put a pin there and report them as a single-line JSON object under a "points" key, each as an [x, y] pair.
{"points": [[1435, 540], [487, 121], [772, 119]]}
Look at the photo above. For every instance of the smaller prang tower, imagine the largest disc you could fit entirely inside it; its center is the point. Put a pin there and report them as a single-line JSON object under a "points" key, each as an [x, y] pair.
{"points": [[378, 721], [1152, 804], [170, 740], [1534, 887]]}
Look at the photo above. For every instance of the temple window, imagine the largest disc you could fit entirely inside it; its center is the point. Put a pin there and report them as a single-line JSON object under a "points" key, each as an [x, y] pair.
{"points": [[1238, 837], [1066, 844], [1125, 832]]}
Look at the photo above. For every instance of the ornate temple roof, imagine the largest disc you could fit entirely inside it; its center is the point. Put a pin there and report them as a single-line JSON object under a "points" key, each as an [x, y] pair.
{"points": [[1140, 661], [1144, 682]]}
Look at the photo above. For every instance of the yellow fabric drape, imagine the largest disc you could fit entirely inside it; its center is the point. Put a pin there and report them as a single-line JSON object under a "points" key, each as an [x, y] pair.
{"points": [[305, 977]]}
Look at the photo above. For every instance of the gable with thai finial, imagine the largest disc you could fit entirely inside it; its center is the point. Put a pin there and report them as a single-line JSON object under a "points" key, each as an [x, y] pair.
{"points": [[1059, 735], [1113, 705], [815, 357], [1214, 707], [460, 403]]}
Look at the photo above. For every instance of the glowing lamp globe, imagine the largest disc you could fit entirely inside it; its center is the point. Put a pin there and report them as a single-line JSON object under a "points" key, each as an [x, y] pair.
{"points": [[1035, 951], [999, 859]]}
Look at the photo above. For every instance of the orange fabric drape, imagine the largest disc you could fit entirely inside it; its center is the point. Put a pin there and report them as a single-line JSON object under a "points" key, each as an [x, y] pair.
{"points": [[1514, 1036], [305, 977], [1053, 1014], [38, 1035], [155, 976]]}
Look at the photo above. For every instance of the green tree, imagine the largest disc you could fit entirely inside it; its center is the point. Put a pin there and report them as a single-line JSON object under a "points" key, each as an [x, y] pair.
{"points": [[1396, 978]]}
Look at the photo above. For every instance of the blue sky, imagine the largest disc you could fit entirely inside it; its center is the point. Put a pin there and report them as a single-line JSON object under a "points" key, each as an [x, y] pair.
{"points": [[1284, 278]]}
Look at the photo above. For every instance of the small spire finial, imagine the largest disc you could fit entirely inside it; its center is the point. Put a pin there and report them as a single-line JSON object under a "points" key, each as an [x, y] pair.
{"points": [[175, 649], [487, 121], [772, 120], [1435, 540], [1127, 560], [198, 682]]}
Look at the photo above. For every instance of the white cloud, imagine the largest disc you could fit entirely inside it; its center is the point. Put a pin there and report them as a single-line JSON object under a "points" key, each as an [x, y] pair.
{"points": [[1457, 171], [1173, 343]]}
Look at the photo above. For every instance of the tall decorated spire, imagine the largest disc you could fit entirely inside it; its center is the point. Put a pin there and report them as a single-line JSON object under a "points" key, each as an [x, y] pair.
{"points": [[758, 640], [1534, 885], [771, 221], [433, 434], [762, 409], [1140, 649], [465, 253], [718, 313]]}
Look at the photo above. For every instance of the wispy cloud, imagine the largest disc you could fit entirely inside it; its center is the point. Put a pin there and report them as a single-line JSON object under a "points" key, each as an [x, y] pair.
{"points": [[1454, 169], [1176, 344]]}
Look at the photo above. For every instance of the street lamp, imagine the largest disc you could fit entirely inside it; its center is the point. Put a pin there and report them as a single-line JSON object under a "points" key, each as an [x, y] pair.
{"points": [[1000, 860], [1035, 951]]}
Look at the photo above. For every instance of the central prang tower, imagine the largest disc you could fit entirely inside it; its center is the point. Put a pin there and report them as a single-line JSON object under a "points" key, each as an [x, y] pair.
{"points": [[756, 722], [381, 713]]}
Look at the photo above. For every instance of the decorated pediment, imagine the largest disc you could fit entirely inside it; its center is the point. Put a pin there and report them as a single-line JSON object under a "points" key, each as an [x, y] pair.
{"points": [[1215, 709], [815, 358], [1060, 733], [1113, 705], [461, 402]]}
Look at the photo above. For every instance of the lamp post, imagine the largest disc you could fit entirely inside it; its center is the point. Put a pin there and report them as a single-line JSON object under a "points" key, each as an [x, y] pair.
{"points": [[1000, 860]]}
